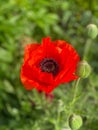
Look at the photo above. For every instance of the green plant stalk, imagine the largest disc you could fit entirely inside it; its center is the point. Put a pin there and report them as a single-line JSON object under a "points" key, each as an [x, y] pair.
{"points": [[57, 125], [86, 49], [75, 92], [71, 105]]}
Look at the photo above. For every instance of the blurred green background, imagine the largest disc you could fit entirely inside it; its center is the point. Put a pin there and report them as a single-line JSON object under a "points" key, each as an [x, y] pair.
{"points": [[26, 21]]}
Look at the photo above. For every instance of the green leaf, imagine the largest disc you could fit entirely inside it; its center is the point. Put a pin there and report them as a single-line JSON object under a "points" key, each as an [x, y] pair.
{"points": [[5, 55]]}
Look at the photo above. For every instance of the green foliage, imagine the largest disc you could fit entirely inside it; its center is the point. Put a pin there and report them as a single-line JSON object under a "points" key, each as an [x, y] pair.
{"points": [[23, 21]]}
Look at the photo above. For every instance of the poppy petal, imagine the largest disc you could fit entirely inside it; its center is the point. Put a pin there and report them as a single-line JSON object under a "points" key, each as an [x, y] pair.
{"points": [[29, 49], [49, 49]]}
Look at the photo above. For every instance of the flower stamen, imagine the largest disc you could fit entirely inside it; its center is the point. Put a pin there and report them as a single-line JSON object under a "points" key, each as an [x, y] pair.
{"points": [[49, 65]]}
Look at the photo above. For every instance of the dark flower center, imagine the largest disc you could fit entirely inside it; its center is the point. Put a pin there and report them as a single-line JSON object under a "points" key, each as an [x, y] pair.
{"points": [[49, 65]]}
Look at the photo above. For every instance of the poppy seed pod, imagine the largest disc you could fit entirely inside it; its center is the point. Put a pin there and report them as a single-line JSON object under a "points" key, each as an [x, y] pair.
{"points": [[92, 31], [75, 122], [83, 69]]}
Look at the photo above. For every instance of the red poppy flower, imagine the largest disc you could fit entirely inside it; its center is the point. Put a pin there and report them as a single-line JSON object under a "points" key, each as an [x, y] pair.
{"points": [[48, 64]]}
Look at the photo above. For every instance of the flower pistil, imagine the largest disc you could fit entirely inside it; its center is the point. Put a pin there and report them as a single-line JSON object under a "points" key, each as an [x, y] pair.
{"points": [[49, 65]]}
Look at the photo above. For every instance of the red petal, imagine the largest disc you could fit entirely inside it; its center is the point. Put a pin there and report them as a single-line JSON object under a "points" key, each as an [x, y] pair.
{"points": [[60, 43], [32, 77], [69, 61], [29, 49], [50, 50]]}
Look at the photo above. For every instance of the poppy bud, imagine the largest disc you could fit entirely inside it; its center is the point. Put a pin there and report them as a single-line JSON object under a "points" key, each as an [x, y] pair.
{"points": [[92, 31], [75, 122], [83, 69]]}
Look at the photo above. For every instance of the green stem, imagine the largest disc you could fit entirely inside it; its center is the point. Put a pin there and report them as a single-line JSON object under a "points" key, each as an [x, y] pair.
{"points": [[75, 87], [57, 123], [86, 49], [75, 92]]}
